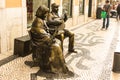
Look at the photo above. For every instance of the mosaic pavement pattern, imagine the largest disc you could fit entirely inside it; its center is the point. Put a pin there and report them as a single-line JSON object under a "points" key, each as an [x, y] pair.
{"points": [[92, 62]]}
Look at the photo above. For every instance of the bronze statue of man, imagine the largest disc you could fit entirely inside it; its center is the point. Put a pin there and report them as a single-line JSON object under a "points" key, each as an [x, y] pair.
{"points": [[53, 17], [47, 51]]}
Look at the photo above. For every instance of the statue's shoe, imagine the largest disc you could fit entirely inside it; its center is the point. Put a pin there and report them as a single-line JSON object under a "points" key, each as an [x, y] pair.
{"points": [[72, 51]]}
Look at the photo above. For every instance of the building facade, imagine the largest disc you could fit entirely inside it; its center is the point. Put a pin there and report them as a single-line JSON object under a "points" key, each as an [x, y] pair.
{"points": [[17, 15]]}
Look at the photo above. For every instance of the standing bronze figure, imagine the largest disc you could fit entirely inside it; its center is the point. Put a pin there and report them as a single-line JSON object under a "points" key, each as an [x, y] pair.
{"points": [[46, 51]]}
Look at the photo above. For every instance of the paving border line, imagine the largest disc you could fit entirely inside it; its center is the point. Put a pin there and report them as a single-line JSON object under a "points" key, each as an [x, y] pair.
{"points": [[8, 59]]}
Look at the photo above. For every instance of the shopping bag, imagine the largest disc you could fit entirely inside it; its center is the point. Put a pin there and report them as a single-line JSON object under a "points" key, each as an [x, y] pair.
{"points": [[103, 14]]}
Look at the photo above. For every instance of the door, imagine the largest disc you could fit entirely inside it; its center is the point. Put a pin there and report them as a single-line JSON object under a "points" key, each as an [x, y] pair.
{"points": [[89, 8], [32, 6]]}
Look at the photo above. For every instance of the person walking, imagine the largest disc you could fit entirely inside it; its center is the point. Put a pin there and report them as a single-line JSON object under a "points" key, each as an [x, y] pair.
{"points": [[113, 11], [107, 8]]}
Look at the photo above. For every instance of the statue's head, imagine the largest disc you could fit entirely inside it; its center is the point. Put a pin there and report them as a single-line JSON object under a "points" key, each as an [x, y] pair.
{"points": [[107, 1], [42, 12], [54, 7]]}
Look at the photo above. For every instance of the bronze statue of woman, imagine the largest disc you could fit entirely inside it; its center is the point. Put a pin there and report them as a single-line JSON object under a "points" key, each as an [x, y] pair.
{"points": [[47, 51]]}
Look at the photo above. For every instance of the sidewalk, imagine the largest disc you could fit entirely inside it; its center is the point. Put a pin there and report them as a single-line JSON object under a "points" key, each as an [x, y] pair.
{"points": [[92, 62]]}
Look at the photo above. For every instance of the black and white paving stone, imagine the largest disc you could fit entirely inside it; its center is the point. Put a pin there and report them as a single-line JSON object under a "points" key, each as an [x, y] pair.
{"points": [[92, 62]]}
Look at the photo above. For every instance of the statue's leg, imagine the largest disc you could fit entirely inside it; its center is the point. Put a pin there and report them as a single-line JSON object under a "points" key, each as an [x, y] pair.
{"points": [[44, 62], [34, 53], [71, 42], [36, 56], [57, 60], [71, 39], [61, 38]]}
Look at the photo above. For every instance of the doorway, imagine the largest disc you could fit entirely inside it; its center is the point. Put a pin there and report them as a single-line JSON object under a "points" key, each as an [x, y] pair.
{"points": [[90, 8], [0, 44], [32, 6], [29, 4]]}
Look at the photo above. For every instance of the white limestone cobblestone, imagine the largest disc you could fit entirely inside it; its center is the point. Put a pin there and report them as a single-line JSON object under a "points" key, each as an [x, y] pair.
{"points": [[92, 45]]}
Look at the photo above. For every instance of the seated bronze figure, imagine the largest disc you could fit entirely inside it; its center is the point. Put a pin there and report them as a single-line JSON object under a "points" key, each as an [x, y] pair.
{"points": [[53, 20], [46, 51]]}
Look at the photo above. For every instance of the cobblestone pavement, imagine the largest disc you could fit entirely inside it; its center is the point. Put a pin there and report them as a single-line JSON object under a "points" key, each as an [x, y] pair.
{"points": [[92, 62]]}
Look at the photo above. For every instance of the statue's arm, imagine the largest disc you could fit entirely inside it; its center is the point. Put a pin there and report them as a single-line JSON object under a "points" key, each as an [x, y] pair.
{"points": [[45, 37], [65, 17], [53, 21]]}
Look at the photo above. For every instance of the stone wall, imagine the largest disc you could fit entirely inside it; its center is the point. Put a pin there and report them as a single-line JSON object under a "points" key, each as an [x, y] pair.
{"points": [[13, 25]]}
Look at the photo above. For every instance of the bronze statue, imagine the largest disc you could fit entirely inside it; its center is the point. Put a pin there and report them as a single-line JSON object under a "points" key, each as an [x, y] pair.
{"points": [[47, 52], [55, 21]]}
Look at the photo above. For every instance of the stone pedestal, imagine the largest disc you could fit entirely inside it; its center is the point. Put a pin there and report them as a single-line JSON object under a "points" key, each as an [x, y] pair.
{"points": [[116, 62], [22, 46]]}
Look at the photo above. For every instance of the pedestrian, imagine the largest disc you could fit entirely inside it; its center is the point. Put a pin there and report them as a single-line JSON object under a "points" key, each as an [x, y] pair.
{"points": [[106, 8], [113, 11], [118, 11]]}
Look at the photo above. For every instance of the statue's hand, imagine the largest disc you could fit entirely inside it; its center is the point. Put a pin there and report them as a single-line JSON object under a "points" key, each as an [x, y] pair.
{"points": [[53, 41], [59, 20]]}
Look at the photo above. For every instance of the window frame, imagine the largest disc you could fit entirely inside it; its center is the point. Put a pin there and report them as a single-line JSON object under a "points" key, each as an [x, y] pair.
{"points": [[29, 22], [83, 3], [69, 7]]}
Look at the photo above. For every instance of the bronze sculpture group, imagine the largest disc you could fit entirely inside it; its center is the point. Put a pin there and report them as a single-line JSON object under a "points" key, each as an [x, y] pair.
{"points": [[45, 49]]}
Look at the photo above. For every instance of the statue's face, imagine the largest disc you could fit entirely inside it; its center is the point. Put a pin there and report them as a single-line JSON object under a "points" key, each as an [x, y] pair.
{"points": [[42, 12], [55, 9], [44, 15]]}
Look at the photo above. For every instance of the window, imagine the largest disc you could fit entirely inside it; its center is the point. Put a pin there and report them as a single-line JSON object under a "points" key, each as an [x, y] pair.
{"points": [[32, 6], [29, 10], [81, 7], [37, 3], [67, 7], [99, 2]]}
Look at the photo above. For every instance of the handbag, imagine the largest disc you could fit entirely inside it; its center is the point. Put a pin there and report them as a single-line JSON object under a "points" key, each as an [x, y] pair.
{"points": [[103, 14]]}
